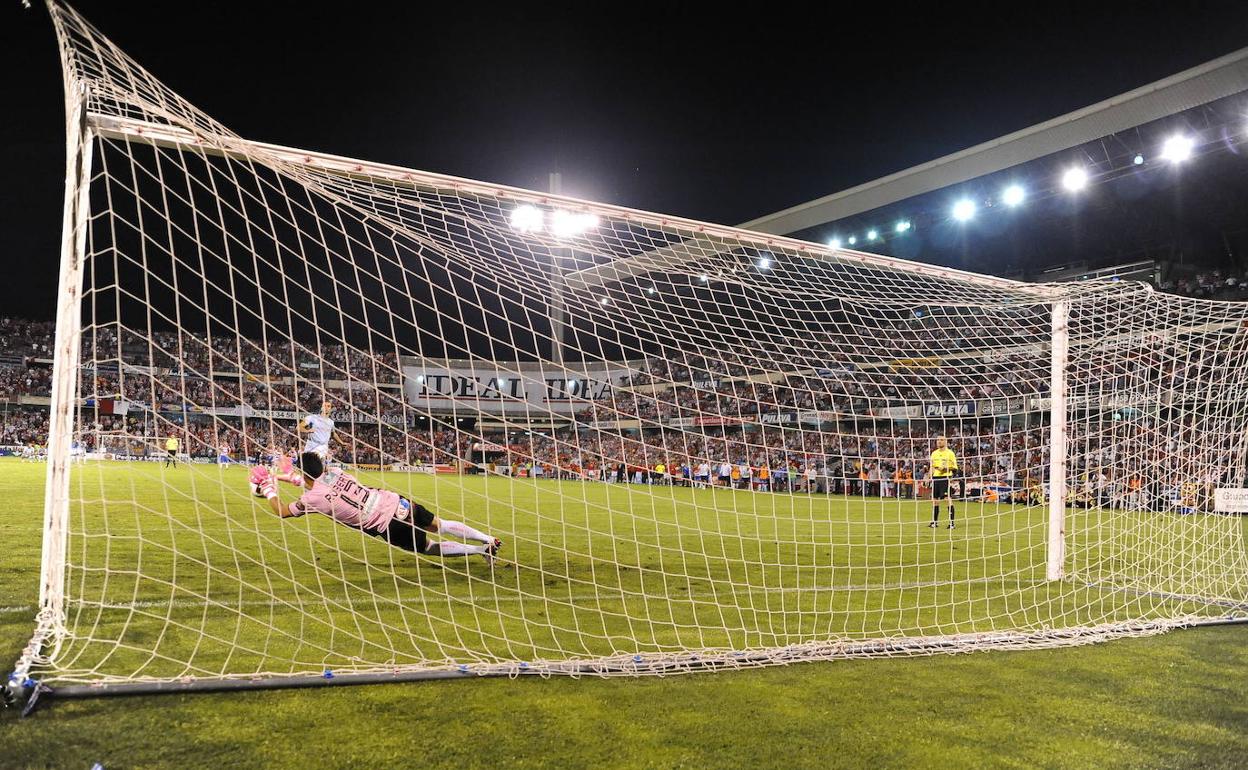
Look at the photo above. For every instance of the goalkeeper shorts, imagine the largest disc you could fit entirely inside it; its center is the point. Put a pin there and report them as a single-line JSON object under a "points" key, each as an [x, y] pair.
{"points": [[406, 532]]}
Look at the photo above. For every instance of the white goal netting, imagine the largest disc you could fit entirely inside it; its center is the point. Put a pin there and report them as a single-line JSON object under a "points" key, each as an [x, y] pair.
{"points": [[700, 446]]}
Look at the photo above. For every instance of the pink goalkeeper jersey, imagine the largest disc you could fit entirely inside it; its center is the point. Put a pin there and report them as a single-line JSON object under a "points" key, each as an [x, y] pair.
{"points": [[339, 495]]}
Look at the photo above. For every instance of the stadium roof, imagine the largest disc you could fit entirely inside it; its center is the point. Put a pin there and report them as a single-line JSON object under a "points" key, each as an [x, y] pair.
{"points": [[1140, 207], [1222, 77]]}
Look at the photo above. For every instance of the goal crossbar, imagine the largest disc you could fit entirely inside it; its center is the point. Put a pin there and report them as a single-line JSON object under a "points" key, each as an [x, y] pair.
{"points": [[704, 235]]}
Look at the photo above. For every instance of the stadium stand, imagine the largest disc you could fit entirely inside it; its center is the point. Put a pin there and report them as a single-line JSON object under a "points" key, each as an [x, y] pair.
{"points": [[745, 418]]}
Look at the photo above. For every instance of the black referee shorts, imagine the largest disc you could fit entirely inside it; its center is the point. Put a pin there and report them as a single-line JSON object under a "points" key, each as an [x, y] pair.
{"points": [[940, 488]]}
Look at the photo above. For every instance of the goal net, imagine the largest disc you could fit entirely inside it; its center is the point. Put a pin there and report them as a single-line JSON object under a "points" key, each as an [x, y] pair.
{"points": [[702, 447]]}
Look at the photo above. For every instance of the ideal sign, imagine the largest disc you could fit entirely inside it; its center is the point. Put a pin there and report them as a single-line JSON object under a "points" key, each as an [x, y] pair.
{"points": [[528, 391]]}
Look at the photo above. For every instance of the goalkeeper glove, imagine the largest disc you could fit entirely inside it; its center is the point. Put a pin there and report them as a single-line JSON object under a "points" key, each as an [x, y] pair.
{"points": [[262, 482]]}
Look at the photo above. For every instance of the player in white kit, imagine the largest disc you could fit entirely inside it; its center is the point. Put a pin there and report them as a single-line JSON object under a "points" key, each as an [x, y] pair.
{"points": [[319, 429]]}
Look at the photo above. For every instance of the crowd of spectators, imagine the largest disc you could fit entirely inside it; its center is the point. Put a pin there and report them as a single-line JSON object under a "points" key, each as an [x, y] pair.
{"points": [[23, 427], [1114, 462], [18, 380], [782, 414], [22, 339], [204, 356], [1221, 284]]}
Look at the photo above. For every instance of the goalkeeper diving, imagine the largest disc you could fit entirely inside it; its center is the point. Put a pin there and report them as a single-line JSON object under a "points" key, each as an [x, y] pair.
{"points": [[378, 512]]}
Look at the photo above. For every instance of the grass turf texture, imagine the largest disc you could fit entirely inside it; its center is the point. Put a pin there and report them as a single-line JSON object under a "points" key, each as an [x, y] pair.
{"points": [[1171, 700]]}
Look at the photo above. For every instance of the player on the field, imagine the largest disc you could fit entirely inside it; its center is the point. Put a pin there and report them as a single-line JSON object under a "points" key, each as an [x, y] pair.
{"points": [[284, 468], [223, 456], [171, 450], [702, 477], [377, 512], [320, 429], [944, 466]]}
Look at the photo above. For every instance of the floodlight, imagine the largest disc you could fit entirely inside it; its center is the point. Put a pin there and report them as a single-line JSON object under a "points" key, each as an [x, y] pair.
{"points": [[527, 219], [1177, 148], [567, 224], [1075, 179]]}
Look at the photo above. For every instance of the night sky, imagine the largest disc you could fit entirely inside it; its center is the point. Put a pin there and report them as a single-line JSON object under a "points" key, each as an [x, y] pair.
{"points": [[715, 117]]}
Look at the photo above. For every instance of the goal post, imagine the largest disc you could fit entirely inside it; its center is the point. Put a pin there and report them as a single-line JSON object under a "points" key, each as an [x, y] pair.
{"points": [[63, 408], [1060, 346], [712, 448]]}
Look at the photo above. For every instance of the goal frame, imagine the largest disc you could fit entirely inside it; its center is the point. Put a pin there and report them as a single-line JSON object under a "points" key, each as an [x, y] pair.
{"points": [[83, 130]]}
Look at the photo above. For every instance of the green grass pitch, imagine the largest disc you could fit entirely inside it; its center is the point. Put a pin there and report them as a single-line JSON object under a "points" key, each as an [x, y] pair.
{"points": [[200, 580]]}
